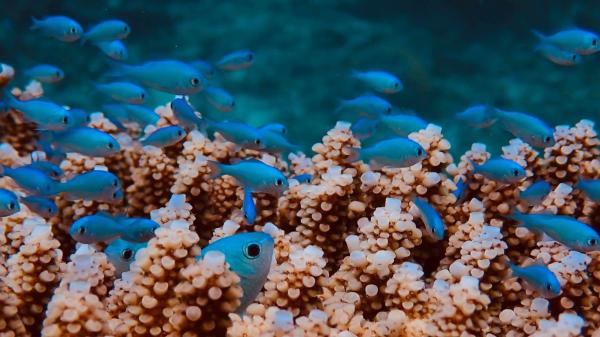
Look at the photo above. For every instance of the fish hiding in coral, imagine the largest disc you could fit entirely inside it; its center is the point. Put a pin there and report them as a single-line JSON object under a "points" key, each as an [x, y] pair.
{"points": [[538, 277], [535, 193], [395, 152], [45, 73], [303, 178], [61, 28], [121, 253], [31, 180], [95, 185], [9, 203], [591, 188], [95, 228], [431, 218], [184, 112], [249, 255], [137, 229]]}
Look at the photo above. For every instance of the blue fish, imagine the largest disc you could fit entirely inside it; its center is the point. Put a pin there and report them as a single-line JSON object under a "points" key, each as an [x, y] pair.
{"points": [[31, 180], [249, 255], [50, 169], [275, 142], [558, 56], [403, 124], [249, 208], [275, 127], [591, 188], [80, 117], [394, 152], [87, 141], [165, 136], [364, 128], [237, 60], [45, 73], [185, 114], [206, 69], [108, 30], [137, 229], [170, 76], [368, 106], [501, 170], [459, 193], [9, 203], [538, 277], [44, 207], [140, 114], [577, 41], [239, 133], [95, 228], [123, 92], [95, 185], [116, 50], [536, 192], [530, 129], [431, 218], [61, 28], [254, 175], [380, 81], [478, 116], [303, 178], [564, 229], [219, 99], [47, 115], [121, 254]]}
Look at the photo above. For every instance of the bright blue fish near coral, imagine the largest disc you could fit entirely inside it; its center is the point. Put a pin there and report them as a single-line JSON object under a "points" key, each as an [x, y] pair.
{"points": [[50, 169], [379, 80], [44, 207], [45, 73], [460, 191], [9, 203], [170, 76], [530, 129], [95, 185], [80, 117], [165, 136], [364, 128], [123, 92], [536, 192], [239, 133], [394, 152], [185, 114], [237, 60], [501, 170], [31, 180], [108, 30], [275, 142], [538, 277], [577, 41], [61, 28], [368, 106], [137, 229], [431, 218], [121, 254], [478, 116], [219, 99], [564, 229], [403, 124], [303, 178], [87, 141], [249, 255], [254, 175], [591, 188], [140, 114], [95, 228], [47, 115], [249, 207], [116, 50]]}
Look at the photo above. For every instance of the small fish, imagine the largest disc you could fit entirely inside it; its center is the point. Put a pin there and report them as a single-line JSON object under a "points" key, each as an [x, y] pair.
{"points": [[108, 30], [275, 142], [121, 254], [169, 76], [95, 185], [95, 228], [536, 192], [249, 255], [140, 114], [239, 133], [254, 175], [557, 55], [538, 277], [116, 50], [248, 207], [237, 60], [275, 127], [459, 193], [206, 69], [573, 40], [31, 180], [591, 187], [368, 106], [137, 229], [564, 229], [165, 136], [123, 92], [431, 218], [219, 99], [403, 124], [87, 141], [395, 152], [380, 81], [364, 128], [303, 178], [50, 169], [44, 207], [501, 170], [47, 115], [478, 116], [45, 73], [80, 117], [55, 156], [61, 28], [530, 129], [185, 114], [9, 203]]}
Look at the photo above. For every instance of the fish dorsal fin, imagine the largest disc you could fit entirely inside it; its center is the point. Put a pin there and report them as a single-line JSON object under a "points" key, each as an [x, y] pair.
{"points": [[531, 262]]}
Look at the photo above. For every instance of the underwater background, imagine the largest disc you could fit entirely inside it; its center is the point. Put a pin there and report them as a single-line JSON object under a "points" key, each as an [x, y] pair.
{"points": [[448, 54]]}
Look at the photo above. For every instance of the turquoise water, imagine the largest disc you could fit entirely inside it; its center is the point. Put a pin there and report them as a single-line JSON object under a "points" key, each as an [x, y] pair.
{"points": [[449, 55]]}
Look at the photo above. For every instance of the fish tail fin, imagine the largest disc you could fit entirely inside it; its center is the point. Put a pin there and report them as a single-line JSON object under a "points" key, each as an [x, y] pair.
{"points": [[538, 34], [35, 23], [474, 165], [512, 268], [353, 156], [216, 169]]}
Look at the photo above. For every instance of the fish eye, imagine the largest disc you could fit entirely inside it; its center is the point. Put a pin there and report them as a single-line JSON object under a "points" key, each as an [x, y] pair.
{"points": [[111, 145], [396, 84], [58, 74], [419, 152], [388, 110], [126, 28], [232, 104], [142, 95], [593, 42], [284, 131], [116, 182], [127, 254], [548, 287], [279, 182], [257, 141], [252, 250], [592, 242], [250, 56], [195, 81], [115, 195], [179, 133], [73, 30], [11, 205], [516, 172], [81, 230], [66, 120], [547, 139], [574, 57], [49, 210]]}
